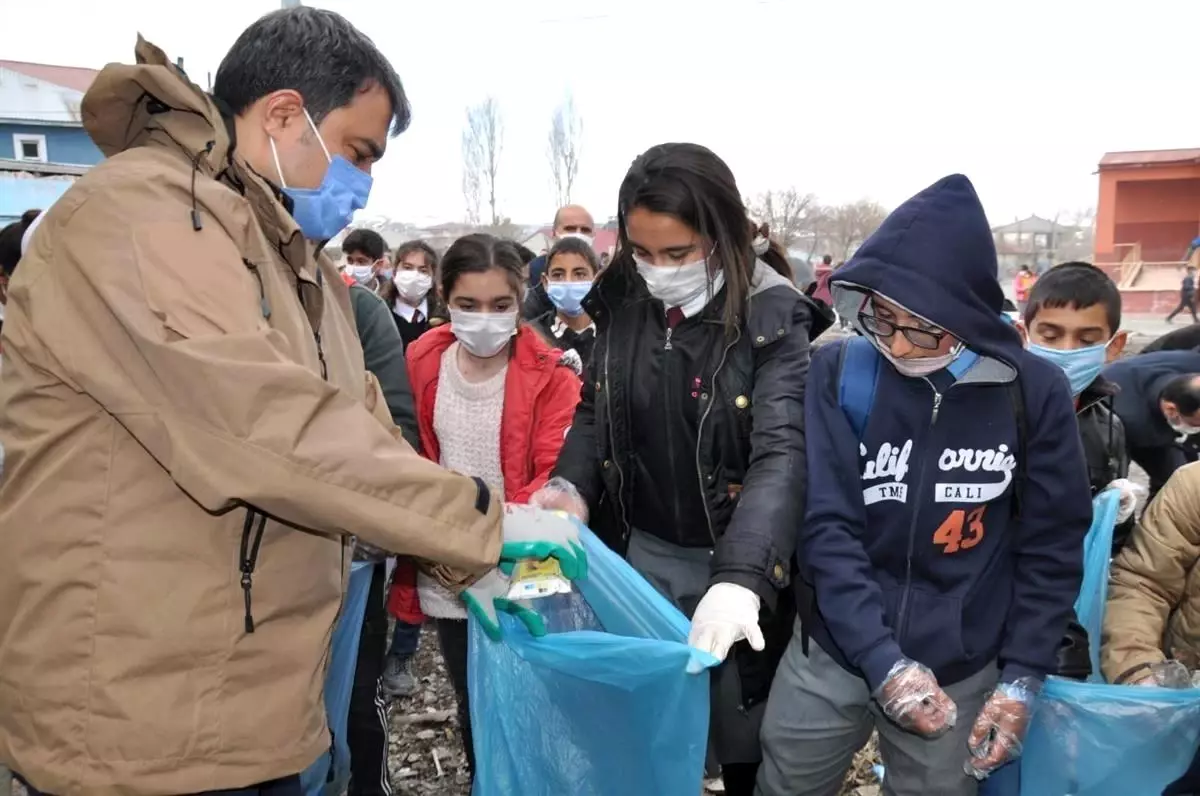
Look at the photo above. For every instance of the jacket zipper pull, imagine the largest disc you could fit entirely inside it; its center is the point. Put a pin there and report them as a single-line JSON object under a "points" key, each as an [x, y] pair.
{"points": [[667, 344], [937, 404]]}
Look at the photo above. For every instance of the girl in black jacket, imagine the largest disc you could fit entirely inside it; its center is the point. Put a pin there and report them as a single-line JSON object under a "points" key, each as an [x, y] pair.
{"points": [[687, 451]]}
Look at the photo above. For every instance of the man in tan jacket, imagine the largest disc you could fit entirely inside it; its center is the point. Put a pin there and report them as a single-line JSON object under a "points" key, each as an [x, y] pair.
{"points": [[1153, 611], [189, 431]]}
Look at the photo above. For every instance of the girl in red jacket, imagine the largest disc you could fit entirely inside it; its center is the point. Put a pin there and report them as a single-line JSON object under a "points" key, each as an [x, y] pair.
{"points": [[493, 400]]}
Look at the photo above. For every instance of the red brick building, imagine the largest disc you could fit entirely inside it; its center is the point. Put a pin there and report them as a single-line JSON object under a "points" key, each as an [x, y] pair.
{"points": [[1148, 213]]}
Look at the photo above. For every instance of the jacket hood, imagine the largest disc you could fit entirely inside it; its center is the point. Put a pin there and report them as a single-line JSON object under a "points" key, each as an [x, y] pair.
{"points": [[127, 106], [934, 255]]}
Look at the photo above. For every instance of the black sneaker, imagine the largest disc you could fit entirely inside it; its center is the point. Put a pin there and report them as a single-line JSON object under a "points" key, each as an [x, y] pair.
{"points": [[398, 680]]}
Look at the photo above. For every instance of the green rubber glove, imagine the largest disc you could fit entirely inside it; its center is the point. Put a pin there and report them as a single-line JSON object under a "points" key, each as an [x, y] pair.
{"points": [[489, 595], [534, 532], [529, 532]]}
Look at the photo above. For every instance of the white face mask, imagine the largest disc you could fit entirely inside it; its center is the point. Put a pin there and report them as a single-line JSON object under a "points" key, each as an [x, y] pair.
{"points": [[1182, 429], [919, 368], [484, 334], [412, 285], [588, 239], [679, 286], [362, 273]]}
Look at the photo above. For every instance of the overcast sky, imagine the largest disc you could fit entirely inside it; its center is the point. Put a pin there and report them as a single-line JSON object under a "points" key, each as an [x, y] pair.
{"points": [[843, 98]]}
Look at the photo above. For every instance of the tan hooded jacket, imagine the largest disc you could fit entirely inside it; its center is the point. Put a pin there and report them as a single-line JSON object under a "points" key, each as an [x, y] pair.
{"points": [[179, 476], [1153, 610]]}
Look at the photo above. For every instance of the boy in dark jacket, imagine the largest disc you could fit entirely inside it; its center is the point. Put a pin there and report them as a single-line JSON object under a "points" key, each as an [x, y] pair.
{"points": [[943, 536], [1073, 319]]}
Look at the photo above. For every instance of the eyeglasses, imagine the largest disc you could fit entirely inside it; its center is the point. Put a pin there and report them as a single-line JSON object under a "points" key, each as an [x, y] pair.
{"points": [[921, 338]]}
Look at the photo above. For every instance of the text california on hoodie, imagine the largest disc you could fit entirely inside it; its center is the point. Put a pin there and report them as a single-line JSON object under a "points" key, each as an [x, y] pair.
{"points": [[910, 539]]}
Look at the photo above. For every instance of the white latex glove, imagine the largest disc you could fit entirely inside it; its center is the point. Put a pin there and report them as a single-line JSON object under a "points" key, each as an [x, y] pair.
{"points": [[727, 614], [1131, 493]]}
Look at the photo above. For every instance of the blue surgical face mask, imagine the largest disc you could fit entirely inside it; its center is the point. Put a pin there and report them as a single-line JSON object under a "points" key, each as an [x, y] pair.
{"points": [[1082, 365], [568, 296], [386, 274], [323, 212]]}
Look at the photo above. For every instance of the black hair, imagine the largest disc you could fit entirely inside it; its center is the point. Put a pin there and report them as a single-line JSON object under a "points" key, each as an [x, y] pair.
{"points": [[366, 241], [827, 259], [10, 240], [315, 52], [527, 255], [574, 246], [1184, 392], [1079, 285], [691, 183], [477, 254]]}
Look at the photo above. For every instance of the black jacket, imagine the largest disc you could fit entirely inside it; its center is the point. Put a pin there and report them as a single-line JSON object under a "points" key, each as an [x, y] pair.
{"points": [[1148, 437], [1103, 436], [582, 343], [749, 452], [1179, 340], [411, 331]]}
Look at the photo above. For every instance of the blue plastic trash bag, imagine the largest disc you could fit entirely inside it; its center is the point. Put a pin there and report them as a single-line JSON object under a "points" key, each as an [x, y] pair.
{"points": [[1092, 739], [339, 682], [1095, 739], [588, 713], [1097, 552]]}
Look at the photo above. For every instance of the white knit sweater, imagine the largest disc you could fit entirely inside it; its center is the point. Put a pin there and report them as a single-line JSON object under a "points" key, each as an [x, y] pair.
{"points": [[466, 422]]}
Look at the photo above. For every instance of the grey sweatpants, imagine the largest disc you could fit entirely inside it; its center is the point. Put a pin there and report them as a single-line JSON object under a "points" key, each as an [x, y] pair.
{"points": [[682, 574], [819, 715]]}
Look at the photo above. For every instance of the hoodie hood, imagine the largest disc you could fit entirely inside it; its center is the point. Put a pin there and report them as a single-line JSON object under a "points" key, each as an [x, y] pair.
{"points": [[934, 255], [129, 106]]}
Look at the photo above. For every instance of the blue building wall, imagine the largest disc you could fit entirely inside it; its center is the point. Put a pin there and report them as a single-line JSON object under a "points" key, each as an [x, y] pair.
{"points": [[63, 144]]}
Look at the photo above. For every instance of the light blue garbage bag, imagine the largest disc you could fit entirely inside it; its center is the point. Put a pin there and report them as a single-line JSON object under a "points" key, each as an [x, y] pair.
{"points": [[1095, 739], [339, 682], [589, 713]]}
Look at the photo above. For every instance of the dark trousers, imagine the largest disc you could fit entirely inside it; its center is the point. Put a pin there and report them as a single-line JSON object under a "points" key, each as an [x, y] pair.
{"points": [[367, 725], [1186, 302], [288, 786], [405, 639], [452, 635], [1189, 783]]}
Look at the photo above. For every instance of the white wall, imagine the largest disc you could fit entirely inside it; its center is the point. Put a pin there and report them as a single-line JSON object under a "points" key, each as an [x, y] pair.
{"points": [[37, 100]]}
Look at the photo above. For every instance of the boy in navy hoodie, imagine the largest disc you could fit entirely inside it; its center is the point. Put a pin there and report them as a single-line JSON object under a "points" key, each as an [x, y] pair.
{"points": [[945, 523]]}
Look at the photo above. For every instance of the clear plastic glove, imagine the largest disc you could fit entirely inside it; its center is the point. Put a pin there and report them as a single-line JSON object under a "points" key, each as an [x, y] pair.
{"points": [[911, 697], [727, 614], [1168, 674], [999, 730], [1131, 493], [561, 495]]}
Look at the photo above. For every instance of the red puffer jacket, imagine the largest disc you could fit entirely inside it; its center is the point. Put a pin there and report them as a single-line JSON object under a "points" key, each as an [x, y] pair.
{"points": [[540, 394]]}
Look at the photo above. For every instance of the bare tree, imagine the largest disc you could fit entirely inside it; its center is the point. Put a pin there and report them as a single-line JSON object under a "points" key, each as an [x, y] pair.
{"points": [[790, 214], [1074, 235], [482, 143], [563, 148], [847, 226]]}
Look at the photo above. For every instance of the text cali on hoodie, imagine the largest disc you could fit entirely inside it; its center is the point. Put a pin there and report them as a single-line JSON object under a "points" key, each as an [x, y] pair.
{"points": [[911, 541]]}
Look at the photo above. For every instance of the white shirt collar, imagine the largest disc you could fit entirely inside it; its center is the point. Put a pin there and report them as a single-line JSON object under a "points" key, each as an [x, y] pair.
{"points": [[406, 311]]}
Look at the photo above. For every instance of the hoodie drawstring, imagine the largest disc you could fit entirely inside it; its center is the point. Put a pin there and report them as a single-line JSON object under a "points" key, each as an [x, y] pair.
{"points": [[249, 558]]}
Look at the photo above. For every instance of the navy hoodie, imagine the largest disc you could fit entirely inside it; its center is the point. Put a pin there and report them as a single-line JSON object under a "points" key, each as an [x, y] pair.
{"points": [[910, 538]]}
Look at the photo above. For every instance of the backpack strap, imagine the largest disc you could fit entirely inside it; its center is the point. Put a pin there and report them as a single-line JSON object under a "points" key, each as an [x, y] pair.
{"points": [[1016, 397], [858, 375]]}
